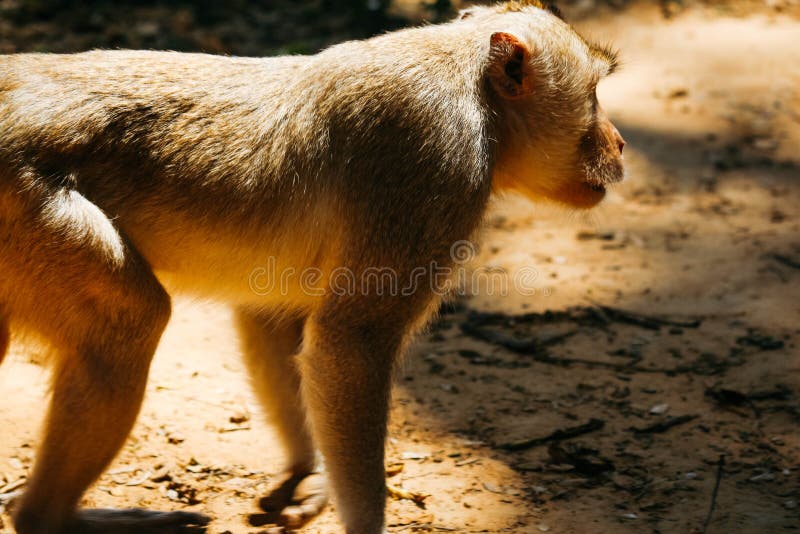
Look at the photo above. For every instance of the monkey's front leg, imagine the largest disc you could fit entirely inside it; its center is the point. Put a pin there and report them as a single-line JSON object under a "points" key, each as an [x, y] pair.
{"points": [[346, 366]]}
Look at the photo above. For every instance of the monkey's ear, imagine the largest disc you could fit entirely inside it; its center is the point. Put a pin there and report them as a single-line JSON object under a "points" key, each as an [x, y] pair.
{"points": [[510, 71]]}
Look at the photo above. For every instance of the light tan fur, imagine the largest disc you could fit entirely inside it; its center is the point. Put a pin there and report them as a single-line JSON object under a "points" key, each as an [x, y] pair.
{"points": [[123, 172]]}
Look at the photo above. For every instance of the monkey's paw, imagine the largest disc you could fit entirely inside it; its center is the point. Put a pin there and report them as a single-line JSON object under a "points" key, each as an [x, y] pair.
{"points": [[137, 521], [295, 502]]}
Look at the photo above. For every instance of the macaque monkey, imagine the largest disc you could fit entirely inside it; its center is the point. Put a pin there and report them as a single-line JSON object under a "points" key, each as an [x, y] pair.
{"points": [[124, 173]]}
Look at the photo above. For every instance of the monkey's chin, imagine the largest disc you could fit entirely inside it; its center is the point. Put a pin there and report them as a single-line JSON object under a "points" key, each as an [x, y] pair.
{"points": [[583, 195]]}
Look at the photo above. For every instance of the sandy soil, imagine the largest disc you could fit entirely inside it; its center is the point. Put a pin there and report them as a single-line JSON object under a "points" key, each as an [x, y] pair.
{"points": [[705, 231]]}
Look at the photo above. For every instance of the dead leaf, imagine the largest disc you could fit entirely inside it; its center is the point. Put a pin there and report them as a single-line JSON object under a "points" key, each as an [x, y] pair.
{"points": [[402, 494]]}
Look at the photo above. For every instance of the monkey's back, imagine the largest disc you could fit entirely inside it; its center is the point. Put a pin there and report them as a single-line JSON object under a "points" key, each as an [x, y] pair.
{"points": [[156, 138], [153, 103]]}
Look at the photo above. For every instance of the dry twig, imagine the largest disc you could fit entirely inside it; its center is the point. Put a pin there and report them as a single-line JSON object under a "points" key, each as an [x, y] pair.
{"points": [[714, 493], [665, 424], [557, 435]]}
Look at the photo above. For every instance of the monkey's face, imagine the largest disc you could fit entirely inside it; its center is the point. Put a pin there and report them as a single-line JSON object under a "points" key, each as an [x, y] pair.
{"points": [[555, 141], [598, 163]]}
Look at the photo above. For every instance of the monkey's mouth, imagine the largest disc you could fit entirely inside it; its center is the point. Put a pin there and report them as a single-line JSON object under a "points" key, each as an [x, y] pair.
{"points": [[597, 188], [581, 194], [587, 194]]}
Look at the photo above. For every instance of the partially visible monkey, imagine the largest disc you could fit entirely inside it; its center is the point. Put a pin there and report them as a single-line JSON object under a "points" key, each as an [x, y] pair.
{"points": [[115, 165]]}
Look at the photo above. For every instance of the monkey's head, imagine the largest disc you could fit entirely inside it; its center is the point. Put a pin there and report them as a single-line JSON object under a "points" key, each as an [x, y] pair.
{"points": [[554, 139]]}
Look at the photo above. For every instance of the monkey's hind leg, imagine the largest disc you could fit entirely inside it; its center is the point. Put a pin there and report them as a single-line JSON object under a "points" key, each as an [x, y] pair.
{"points": [[83, 286], [270, 347]]}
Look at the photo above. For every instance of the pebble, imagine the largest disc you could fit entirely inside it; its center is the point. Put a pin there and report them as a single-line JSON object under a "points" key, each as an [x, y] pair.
{"points": [[659, 409], [414, 455], [763, 477]]}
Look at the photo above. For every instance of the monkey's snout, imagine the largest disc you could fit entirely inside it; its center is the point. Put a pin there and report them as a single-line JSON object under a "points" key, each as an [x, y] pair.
{"points": [[618, 139]]}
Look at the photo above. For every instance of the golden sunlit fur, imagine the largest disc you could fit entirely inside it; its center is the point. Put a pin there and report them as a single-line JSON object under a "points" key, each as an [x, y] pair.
{"points": [[259, 181]]}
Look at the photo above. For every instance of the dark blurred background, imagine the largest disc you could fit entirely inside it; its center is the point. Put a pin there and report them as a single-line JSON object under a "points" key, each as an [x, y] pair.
{"points": [[257, 27], [240, 27]]}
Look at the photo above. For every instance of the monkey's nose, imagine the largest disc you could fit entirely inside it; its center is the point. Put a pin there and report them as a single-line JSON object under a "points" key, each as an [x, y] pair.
{"points": [[618, 138]]}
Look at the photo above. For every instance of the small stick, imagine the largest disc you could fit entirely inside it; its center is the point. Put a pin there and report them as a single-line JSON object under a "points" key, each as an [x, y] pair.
{"points": [[557, 435], [651, 322], [786, 260], [713, 505], [11, 486], [666, 424], [537, 354]]}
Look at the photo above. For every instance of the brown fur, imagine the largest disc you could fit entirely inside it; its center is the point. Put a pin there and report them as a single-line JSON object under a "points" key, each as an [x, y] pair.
{"points": [[122, 172], [5, 337]]}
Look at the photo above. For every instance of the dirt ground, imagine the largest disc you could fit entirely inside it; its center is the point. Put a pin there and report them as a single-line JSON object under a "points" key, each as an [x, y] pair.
{"points": [[662, 331]]}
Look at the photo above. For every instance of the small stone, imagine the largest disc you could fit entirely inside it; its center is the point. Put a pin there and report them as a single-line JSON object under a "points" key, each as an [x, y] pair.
{"points": [[765, 144], [763, 477], [195, 468], [414, 455], [175, 438], [162, 474], [659, 409], [678, 92], [239, 417]]}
